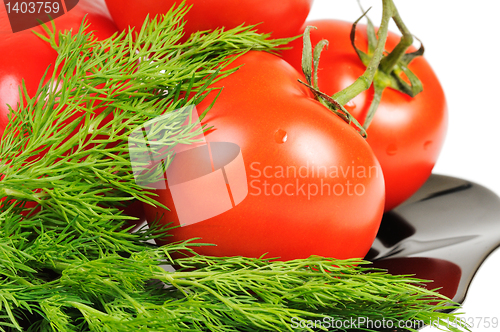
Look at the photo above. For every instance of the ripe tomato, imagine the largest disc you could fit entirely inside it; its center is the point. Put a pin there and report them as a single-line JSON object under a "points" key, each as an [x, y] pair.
{"points": [[25, 56], [282, 18], [314, 185], [406, 133]]}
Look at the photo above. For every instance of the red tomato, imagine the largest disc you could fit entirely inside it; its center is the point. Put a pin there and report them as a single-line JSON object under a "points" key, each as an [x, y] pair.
{"points": [[282, 18], [406, 133], [314, 185], [25, 56]]}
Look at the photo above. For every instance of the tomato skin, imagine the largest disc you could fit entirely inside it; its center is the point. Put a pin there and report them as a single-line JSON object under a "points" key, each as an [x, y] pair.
{"points": [[282, 18], [260, 99], [25, 56], [406, 133]]}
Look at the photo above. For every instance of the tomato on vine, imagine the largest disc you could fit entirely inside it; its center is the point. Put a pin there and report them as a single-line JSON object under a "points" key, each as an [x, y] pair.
{"points": [[408, 129], [314, 184]]}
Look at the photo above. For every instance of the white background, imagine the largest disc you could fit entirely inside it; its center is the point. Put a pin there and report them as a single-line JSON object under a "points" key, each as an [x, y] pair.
{"points": [[462, 42]]}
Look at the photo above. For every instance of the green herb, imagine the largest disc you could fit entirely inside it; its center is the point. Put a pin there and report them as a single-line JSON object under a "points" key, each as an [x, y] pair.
{"points": [[67, 264]]}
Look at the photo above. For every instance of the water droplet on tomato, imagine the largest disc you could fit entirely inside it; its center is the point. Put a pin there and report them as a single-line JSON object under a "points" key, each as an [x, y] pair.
{"points": [[427, 145], [280, 136], [392, 149], [350, 105]]}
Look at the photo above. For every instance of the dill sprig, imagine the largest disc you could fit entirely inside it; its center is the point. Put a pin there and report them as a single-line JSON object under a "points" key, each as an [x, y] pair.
{"points": [[66, 261], [66, 147]]}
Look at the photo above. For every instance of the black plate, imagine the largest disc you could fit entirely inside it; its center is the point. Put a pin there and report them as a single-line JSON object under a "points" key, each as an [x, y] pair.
{"points": [[442, 233]]}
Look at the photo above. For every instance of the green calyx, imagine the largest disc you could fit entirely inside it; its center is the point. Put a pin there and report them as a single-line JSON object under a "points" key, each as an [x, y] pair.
{"points": [[310, 63], [393, 71], [383, 69]]}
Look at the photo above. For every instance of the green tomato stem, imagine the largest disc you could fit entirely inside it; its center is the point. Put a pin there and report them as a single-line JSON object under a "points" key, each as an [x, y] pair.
{"points": [[388, 63], [363, 82]]}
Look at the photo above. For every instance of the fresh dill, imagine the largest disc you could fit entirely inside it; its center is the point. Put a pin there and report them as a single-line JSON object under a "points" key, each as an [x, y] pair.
{"points": [[67, 263]]}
